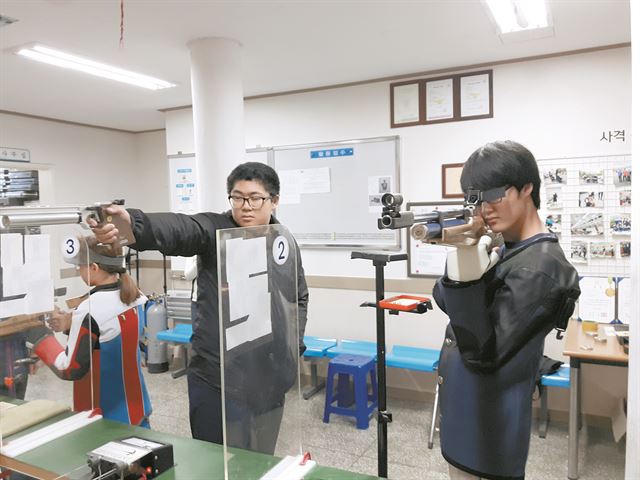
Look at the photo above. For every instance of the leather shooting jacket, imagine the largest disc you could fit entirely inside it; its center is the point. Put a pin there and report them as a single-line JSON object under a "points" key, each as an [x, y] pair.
{"points": [[491, 352]]}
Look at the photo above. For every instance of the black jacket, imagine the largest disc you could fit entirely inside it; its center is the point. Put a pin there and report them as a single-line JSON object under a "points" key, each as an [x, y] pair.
{"points": [[491, 354], [187, 235]]}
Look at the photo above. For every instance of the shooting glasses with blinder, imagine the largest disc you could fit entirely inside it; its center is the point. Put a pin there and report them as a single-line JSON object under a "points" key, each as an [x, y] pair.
{"points": [[473, 197]]}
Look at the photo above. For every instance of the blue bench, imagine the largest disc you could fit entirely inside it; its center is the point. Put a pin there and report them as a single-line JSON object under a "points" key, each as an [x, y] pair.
{"points": [[423, 360], [316, 348], [180, 335], [561, 379], [353, 347]]}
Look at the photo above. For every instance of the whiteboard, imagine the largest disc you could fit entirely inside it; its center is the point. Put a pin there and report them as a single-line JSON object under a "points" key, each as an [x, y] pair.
{"points": [[330, 193]]}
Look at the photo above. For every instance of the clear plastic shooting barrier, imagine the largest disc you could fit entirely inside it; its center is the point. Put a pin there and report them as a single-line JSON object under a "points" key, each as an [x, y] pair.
{"points": [[48, 344], [259, 350]]}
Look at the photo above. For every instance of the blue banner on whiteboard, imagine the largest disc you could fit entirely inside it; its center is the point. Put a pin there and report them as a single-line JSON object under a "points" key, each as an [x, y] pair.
{"points": [[333, 152]]}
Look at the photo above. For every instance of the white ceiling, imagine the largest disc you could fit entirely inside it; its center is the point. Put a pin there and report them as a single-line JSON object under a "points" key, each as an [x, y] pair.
{"points": [[287, 45]]}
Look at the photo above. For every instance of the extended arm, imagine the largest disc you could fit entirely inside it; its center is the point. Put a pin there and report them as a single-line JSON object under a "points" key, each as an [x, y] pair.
{"points": [[170, 233]]}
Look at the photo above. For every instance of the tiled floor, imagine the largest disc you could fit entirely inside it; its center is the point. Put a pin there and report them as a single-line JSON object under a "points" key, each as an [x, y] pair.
{"points": [[339, 444]]}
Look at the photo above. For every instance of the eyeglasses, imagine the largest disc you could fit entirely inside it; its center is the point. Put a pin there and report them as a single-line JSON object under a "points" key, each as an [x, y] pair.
{"points": [[492, 196], [255, 202]]}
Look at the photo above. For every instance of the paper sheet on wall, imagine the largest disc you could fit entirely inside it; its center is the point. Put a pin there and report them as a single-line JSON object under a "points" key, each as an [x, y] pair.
{"points": [[440, 99], [376, 187], [429, 259], [183, 184], [625, 300], [406, 103], [290, 186], [597, 299], [316, 180], [474, 95], [183, 193]]}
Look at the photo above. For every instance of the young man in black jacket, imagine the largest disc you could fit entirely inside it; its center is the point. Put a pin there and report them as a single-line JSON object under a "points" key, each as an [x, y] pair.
{"points": [[501, 305], [253, 190]]}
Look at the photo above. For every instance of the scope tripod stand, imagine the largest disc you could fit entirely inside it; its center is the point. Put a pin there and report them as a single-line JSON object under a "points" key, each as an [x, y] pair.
{"points": [[380, 260]]}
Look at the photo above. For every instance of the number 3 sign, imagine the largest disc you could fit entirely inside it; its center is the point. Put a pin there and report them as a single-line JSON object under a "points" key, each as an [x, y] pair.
{"points": [[70, 247]]}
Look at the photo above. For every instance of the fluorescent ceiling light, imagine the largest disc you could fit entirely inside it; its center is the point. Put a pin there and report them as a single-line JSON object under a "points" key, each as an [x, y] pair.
{"points": [[66, 60], [517, 15]]}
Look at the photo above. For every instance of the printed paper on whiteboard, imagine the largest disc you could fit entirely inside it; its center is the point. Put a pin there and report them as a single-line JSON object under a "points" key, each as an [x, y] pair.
{"points": [[376, 187], [315, 180], [290, 186]]}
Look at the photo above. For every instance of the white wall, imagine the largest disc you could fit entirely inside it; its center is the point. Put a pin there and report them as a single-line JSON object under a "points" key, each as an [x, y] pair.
{"points": [[87, 164], [93, 164], [151, 191], [557, 107], [83, 165]]}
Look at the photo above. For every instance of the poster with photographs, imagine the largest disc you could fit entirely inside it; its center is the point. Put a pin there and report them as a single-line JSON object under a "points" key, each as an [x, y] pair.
{"points": [[586, 202], [579, 251], [591, 177], [602, 250], [625, 198], [622, 176], [591, 199], [555, 176], [624, 249], [589, 224], [554, 198], [620, 224], [554, 223]]}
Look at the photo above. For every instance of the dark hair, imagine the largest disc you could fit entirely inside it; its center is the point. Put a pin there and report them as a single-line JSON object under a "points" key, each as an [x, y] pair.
{"points": [[497, 164], [257, 171], [128, 289]]}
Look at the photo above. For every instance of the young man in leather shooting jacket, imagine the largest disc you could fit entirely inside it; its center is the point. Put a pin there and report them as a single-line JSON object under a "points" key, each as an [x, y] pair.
{"points": [[501, 302]]}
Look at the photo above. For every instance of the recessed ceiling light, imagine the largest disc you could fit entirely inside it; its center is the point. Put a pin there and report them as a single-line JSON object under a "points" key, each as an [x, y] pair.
{"points": [[518, 20], [51, 56], [516, 15]]}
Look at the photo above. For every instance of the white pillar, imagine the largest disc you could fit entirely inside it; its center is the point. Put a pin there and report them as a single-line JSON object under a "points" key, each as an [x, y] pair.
{"points": [[632, 470], [218, 116]]}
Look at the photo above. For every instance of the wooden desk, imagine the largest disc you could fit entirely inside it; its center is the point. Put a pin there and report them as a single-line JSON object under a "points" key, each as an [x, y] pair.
{"points": [[601, 353]]}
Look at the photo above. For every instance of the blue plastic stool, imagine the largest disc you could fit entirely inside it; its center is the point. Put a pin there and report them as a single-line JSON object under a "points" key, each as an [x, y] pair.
{"points": [[561, 379], [357, 367]]}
